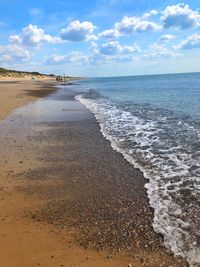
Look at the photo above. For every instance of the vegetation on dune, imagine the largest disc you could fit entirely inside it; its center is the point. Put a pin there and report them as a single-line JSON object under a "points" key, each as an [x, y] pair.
{"points": [[14, 73]]}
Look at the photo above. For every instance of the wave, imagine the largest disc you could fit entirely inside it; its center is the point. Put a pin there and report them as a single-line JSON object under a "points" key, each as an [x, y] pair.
{"points": [[163, 147]]}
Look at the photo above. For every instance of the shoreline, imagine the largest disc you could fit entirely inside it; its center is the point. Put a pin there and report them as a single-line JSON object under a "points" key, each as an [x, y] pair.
{"points": [[83, 191]]}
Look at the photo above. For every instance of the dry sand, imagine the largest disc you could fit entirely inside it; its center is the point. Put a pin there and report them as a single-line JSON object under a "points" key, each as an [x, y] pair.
{"points": [[57, 200]]}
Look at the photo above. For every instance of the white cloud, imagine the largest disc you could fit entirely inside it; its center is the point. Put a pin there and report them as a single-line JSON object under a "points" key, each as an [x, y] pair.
{"points": [[110, 34], [131, 49], [180, 16], [32, 35], [78, 57], [92, 37], [94, 48], [15, 39], [73, 57], [59, 59], [193, 41], [157, 50], [149, 14], [166, 37], [129, 25], [113, 48], [78, 31], [14, 52], [110, 48], [107, 52], [112, 51]]}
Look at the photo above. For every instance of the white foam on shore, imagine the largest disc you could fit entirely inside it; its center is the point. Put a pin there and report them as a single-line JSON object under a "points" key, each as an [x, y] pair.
{"points": [[119, 126]]}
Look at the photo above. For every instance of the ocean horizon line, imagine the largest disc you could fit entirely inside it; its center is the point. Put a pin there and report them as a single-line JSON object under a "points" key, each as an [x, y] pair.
{"points": [[141, 75]]}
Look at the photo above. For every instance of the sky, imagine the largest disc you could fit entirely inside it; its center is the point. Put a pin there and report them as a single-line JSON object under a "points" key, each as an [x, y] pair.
{"points": [[100, 37]]}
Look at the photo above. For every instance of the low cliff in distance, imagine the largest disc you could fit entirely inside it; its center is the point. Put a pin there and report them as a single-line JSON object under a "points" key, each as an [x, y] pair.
{"points": [[13, 74]]}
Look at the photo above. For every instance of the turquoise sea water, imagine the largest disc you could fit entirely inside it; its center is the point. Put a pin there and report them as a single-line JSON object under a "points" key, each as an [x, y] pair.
{"points": [[154, 121]]}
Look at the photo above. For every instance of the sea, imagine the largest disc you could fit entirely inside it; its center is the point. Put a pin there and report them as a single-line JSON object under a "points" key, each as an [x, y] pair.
{"points": [[154, 122]]}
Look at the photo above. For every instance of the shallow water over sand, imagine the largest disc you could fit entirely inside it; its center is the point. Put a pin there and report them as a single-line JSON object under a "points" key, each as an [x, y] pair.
{"points": [[57, 107]]}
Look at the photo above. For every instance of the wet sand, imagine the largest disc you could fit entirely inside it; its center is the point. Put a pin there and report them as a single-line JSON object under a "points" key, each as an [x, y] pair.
{"points": [[15, 93], [68, 199]]}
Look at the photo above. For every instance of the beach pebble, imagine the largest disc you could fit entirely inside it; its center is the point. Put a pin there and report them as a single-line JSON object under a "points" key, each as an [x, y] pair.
{"points": [[109, 257], [130, 265]]}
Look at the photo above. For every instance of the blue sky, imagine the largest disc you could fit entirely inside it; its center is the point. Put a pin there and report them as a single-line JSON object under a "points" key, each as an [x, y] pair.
{"points": [[100, 38]]}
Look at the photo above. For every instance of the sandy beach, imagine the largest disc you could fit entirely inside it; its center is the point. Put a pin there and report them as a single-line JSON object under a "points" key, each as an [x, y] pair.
{"points": [[67, 198]]}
